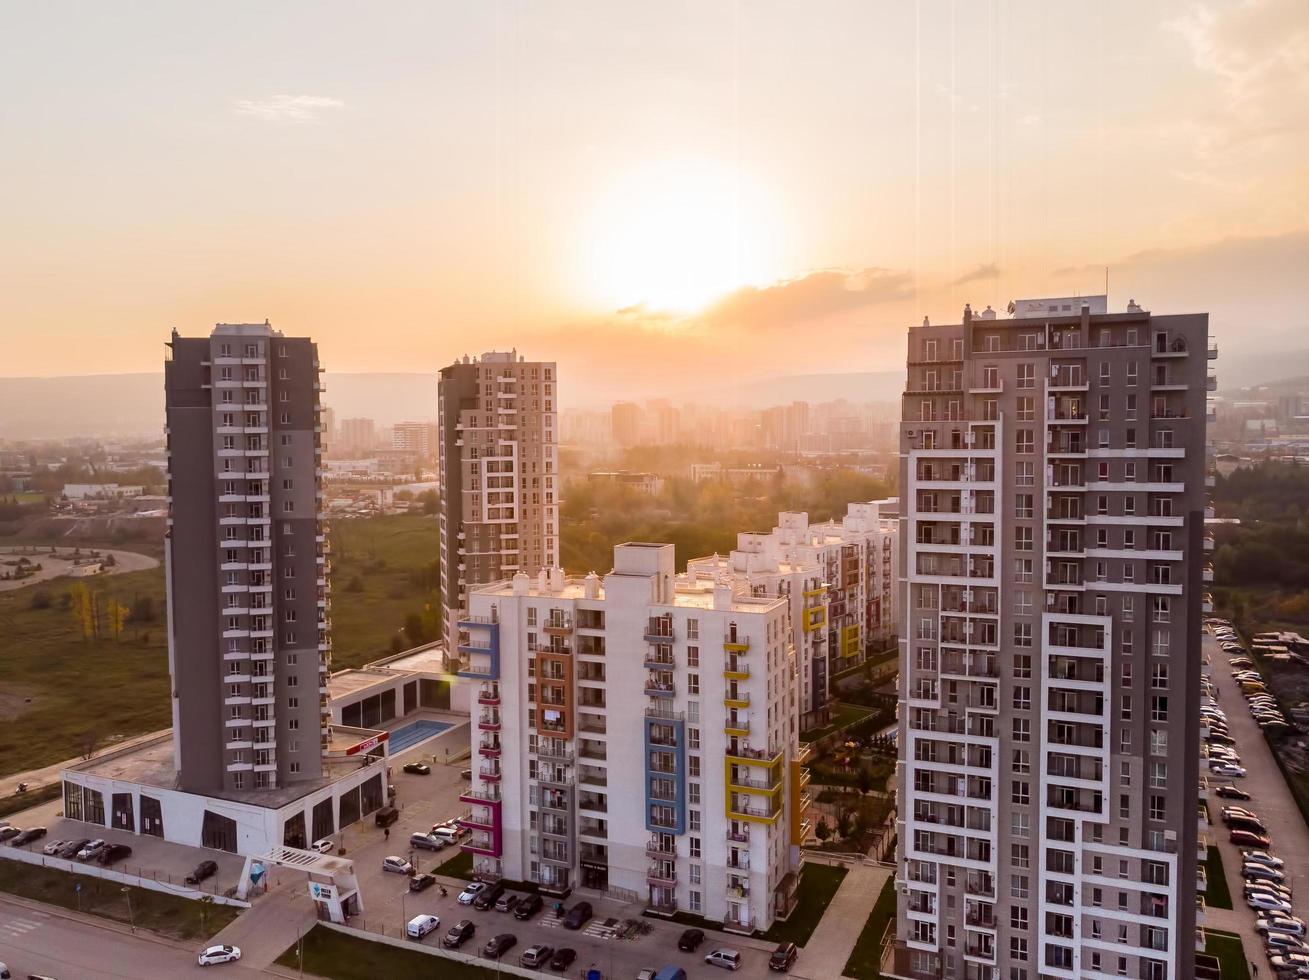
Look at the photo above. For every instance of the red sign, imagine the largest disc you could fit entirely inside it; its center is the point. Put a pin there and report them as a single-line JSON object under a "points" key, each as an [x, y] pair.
{"points": [[368, 743]]}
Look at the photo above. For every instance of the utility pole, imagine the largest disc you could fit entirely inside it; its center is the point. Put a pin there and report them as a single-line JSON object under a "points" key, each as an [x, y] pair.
{"points": [[131, 915]]}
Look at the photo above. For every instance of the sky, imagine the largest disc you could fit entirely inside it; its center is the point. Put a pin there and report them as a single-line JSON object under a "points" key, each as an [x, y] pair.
{"points": [[646, 193]]}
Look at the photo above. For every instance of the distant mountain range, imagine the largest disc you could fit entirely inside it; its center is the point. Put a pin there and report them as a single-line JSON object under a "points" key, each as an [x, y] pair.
{"points": [[133, 404]]}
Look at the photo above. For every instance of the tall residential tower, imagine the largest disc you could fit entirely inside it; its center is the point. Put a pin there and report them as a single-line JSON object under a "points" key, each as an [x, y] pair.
{"points": [[1052, 474], [248, 637], [499, 476]]}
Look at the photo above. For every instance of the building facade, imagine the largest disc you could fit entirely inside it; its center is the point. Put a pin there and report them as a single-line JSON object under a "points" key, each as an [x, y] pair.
{"points": [[1052, 475], [841, 581], [249, 633], [637, 735], [415, 437], [499, 473]]}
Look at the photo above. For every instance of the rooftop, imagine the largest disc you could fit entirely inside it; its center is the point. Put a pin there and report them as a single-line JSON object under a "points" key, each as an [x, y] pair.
{"points": [[687, 593]]}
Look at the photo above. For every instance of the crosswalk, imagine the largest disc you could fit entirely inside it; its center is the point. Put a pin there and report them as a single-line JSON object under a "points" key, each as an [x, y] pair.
{"points": [[596, 928], [19, 927]]}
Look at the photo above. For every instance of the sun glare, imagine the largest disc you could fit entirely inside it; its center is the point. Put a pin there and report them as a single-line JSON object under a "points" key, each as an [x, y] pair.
{"points": [[676, 235]]}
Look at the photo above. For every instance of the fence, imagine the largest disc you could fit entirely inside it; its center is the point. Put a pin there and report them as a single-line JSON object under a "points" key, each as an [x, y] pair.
{"points": [[154, 882]]}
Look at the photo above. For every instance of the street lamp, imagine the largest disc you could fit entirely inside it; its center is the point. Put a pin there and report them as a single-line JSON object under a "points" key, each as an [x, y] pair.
{"points": [[131, 915]]}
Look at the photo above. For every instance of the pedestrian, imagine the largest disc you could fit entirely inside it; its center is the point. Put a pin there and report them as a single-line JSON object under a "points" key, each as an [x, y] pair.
{"points": [[387, 832]]}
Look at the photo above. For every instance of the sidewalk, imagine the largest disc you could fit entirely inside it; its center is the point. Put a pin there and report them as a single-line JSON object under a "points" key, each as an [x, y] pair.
{"points": [[280, 917], [830, 946]]}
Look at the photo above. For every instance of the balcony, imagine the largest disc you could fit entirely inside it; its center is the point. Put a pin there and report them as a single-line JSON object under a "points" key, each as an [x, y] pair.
{"points": [[488, 722], [738, 836], [736, 672], [489, 695], [736, 727], [488, 747], [663, 877], [736, 699], [660, 689], [659, 661], [558, 626], [657, 846], [1207, 574], [734, 643]]}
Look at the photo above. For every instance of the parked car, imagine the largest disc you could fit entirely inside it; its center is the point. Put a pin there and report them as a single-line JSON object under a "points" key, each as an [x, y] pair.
{"points": [[450, 832], [1228, 770], [1290, 964], [417, 768], [1261, 857], [114, 852], [1232, 793], [54, 847], [4, 972], [459, 933], [488, 897], [91, 850], [9, 833], [1246, 823], [426, 842], [563, 958], [386, 816], [537, 955], [324, 846], [70, 849], [578, 916], [27, 836], [727, 959], [506, 903], [783, 957], [529, 906], [1267, 900], [1289, 924], [497, 946], [466, 774], [397, 865], [471, 892], [690, 940], [422, 882], [420, 925], [220, 954], [203, 871]]}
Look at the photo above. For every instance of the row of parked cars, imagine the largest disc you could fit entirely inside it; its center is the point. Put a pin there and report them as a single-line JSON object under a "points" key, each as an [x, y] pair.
{"points": [[1267, 888]]}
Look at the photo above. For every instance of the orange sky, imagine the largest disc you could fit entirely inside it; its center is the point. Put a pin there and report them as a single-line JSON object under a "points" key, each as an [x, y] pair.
{"points": [[760, 187]]}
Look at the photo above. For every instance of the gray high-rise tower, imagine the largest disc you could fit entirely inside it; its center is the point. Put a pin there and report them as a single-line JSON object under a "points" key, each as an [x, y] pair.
{"points": [[499, 476], [246, 559], [1052, 548]]}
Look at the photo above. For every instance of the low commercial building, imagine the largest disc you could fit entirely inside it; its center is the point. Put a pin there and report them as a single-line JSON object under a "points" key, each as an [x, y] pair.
{"points": [[637, 735]]}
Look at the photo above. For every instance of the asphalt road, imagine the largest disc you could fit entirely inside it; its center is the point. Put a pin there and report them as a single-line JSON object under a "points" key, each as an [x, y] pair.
{"points": [[46, 943]]}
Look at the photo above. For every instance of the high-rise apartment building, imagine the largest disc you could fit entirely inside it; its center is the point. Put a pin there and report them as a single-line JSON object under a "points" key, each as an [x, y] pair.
{"points": [[415, 437], [499, 475], [245, 553], [637, 734], [625, 419], [358, 435], [1052, 488], [841, 580]]}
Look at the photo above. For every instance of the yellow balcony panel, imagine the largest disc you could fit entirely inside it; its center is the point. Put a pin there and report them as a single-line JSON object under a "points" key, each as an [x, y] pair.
{"points": [[755, 757], [740, 674], [743, 701], [736, 646], [740, 729]]}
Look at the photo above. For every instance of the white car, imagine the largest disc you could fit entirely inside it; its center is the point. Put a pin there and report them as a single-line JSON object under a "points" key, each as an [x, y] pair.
{"points": [[471, 892], [323, 846], [1229, 770], [91, 850], [1262, 857], [1288, 924], [450, 832], [397, 864], [727, 959], [220, 954], [420, 925], [54, 847], [1268, 901]]}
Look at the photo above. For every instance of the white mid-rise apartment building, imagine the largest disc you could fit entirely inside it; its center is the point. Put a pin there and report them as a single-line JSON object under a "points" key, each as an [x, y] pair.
{"points": [[840, 578], [637, 735], [1052, 484]]}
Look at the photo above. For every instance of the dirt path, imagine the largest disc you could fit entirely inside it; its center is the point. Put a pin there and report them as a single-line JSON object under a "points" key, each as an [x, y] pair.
{"points": [[61, 563]]}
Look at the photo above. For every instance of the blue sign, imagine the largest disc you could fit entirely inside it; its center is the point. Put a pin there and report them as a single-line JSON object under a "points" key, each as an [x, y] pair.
{"points": [[77, 887], [257, 871]]}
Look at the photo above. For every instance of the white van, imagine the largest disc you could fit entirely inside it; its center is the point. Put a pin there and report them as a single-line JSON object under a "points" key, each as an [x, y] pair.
{"points": [[420, 925]]}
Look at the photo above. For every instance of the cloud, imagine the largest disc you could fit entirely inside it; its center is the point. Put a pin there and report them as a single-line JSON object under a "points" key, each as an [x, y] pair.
{"points": [[287, 108], [811, 297], [988, 270]]}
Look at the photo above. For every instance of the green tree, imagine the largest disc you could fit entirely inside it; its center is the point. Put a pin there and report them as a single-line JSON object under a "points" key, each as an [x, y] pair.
{"points": [[822, 831]]}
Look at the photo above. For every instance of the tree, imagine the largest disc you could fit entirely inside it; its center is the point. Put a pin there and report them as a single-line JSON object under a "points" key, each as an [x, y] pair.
{"points": [[143, 610], [41, 599], [415, 630], [846, 825], [822, 831], [90, 739]]}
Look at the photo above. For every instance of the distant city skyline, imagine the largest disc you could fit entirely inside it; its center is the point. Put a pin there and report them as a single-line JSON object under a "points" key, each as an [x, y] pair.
{"points": [[601, 179]]}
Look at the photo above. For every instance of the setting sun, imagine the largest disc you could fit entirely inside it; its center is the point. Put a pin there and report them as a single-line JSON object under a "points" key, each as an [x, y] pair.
{"points": [[677, 234]]}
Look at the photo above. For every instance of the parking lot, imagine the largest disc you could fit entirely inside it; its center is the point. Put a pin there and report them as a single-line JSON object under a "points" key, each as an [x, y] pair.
{"points": [[1270, 798]]}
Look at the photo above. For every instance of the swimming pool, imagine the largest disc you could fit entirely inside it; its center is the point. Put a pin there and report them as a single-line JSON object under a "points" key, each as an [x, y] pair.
{"points": [[407, 736]]}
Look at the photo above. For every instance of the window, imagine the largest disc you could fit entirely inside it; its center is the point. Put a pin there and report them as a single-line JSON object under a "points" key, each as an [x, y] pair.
{"points": [[1022, 764], [1023, 538], [1104, 408], [1026, 375], [1022, 729], [1023, 573], [1158, 806], [1024, 474], [693, 656], [1022, 603], [1022, 697], [1026, 442], [1022, 634], [1026, 408], [1023, 505], [1159, 676]]}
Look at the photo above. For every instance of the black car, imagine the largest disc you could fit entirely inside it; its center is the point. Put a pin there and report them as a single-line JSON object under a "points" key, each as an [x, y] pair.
{"points": [[203, 870], [422, 882], [690, 940], [563, 959], [529, 906], [114, 852], [27, 836], [782, 958], [70, 849], [458, 934], [418, 768], [465, 774], [488, 897], [497, 946], [1232, 793], [578, 916]]}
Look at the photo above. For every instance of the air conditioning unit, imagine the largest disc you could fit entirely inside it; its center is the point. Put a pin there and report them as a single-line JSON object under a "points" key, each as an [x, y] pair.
{"points": [[911, 433]]}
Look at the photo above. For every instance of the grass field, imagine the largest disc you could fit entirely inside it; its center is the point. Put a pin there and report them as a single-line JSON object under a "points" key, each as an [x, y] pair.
{"points": [[78, 689], [168, 915], [1226, 948], [818, 883], [328, 953], [391, 560], [1216, 895], [866, 957], [842, 715], [458, 865]]}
